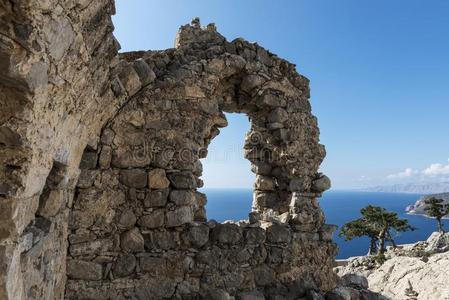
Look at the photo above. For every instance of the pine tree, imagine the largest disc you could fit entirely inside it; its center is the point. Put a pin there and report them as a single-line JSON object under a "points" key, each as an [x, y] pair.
{"points": [[378, 224], [437, 209], [359, 228]]}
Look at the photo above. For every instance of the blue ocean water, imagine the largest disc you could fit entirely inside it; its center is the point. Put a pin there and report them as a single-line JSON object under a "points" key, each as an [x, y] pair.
{"points": [[339, 208]]}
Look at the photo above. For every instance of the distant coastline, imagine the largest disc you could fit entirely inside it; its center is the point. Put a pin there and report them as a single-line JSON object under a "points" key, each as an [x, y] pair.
{"points": [[411, 188]]}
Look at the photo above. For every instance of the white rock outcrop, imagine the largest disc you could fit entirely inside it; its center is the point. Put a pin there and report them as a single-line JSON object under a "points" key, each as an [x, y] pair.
{"points": [[422, 268]]}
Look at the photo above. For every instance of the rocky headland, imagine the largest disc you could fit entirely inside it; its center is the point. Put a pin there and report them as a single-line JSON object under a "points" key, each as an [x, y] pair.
{"points": [[418, 208]]}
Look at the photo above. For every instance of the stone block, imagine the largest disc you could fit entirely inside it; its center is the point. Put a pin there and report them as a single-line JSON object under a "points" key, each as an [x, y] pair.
{"points": [[146, 74], [261, 168], [132, 241], [296, 185], [321, 183], [179, 216], [124, 266], [354, 281], [262, 199], [278, 234], [254, 236], [264, 183], [50, 203], [227, 234], [272, 100], [104, 161], [250, 82], [157, 179], [84, 270], [126, 158], [264, 275], [91, 247], [88, 160], [182, 197], [164, 240], [9, 138], [197, 235], [278, 115], [156, 198], [127, 219], [343, 293], [107, 136], [251, 295], [134, 178], [87, 178], [153, 220], [153, 265], [182, 180], [60, 35], [130, 80]]}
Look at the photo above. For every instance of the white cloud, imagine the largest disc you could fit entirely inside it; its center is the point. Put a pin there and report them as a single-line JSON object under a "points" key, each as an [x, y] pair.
{"points": [[407, 173], [434, 170]]}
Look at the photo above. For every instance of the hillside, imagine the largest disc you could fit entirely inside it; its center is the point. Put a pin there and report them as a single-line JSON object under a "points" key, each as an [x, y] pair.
{"points": [[412, 188]]}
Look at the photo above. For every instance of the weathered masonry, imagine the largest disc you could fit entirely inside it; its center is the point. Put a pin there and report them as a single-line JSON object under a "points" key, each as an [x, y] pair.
{"points": [[100, 164]]}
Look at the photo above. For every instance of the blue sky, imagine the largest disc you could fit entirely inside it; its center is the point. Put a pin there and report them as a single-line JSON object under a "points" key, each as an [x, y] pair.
{"points": [[379, 74]]}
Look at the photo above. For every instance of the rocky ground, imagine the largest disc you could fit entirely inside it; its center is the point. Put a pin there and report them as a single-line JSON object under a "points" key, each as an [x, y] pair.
{"points": [[416, 271]]}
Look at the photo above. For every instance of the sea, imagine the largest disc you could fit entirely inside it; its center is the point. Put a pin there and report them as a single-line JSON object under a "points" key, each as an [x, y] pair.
{"points": [[339, 208]]}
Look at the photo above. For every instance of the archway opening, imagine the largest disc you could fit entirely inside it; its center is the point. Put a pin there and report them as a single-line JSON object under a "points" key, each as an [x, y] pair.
{"points": [[227, 173]]}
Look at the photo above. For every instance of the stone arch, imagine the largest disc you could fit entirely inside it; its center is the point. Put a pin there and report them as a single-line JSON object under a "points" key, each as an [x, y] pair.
{"points": [[138, 226]]}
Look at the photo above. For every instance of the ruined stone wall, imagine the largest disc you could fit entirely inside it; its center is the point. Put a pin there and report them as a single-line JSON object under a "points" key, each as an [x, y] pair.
{"points": [[135, 126], [56, 59], [138, 227]]}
